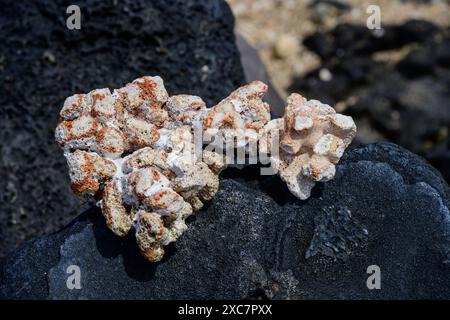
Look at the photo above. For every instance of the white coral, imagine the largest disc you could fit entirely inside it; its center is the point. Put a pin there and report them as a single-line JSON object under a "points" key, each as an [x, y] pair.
{"points": [[238, 118], [313, 137], [134, 150]]}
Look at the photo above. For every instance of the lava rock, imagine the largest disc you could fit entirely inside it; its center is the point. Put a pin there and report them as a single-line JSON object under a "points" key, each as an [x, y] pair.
{"points": [[394, 82], [190, 43], [385, 207], [348, 39]]}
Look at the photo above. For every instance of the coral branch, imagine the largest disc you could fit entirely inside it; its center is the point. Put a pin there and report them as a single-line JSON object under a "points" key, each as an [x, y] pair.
{"points": [[135, 151]]}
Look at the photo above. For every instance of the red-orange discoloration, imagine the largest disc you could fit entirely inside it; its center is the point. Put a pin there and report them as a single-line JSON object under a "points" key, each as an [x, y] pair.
{"points": [[158, 196], [156, 175], [207, 122], [147, 87], [74, 106], [153, 254], [86, 185], [116, 142], [97, 97]]}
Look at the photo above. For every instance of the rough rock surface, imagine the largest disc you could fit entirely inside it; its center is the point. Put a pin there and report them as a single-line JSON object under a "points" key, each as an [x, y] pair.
{"points": [[189, 43], [385, 207], [395, 84]]}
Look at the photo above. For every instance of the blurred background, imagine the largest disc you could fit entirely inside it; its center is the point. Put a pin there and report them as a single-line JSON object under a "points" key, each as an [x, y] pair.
{"points": [[394, 81]]}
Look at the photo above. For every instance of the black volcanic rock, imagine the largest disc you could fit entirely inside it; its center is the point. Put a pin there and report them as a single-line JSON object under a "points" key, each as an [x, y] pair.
{"points": [[385, 207], [349, 40], [190, 43]]}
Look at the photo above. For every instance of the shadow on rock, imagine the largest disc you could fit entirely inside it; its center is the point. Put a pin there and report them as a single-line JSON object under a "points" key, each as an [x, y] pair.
{"points": [[111, 246]]}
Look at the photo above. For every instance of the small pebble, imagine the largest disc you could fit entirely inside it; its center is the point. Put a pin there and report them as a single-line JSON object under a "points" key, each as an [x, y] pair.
{"points": [[325, 75], [286, 46], [48, 56]]}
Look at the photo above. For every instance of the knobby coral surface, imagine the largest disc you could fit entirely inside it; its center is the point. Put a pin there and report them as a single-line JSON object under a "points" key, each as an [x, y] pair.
{"points": [[312, 138], [135, 150]]}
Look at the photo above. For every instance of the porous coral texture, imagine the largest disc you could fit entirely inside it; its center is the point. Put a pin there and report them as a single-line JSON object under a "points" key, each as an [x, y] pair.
{"points": [[135, 150], [312, 138], [237, 120]]}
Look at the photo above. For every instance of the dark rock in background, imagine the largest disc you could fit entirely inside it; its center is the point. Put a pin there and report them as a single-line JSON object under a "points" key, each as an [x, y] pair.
{"points": [[386, 207], [407, 102], [254, 69], [189, 43]]}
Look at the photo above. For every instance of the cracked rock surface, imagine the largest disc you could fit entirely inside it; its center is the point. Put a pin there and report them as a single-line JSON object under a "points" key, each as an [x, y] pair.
{"points": [[385, 206]]}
